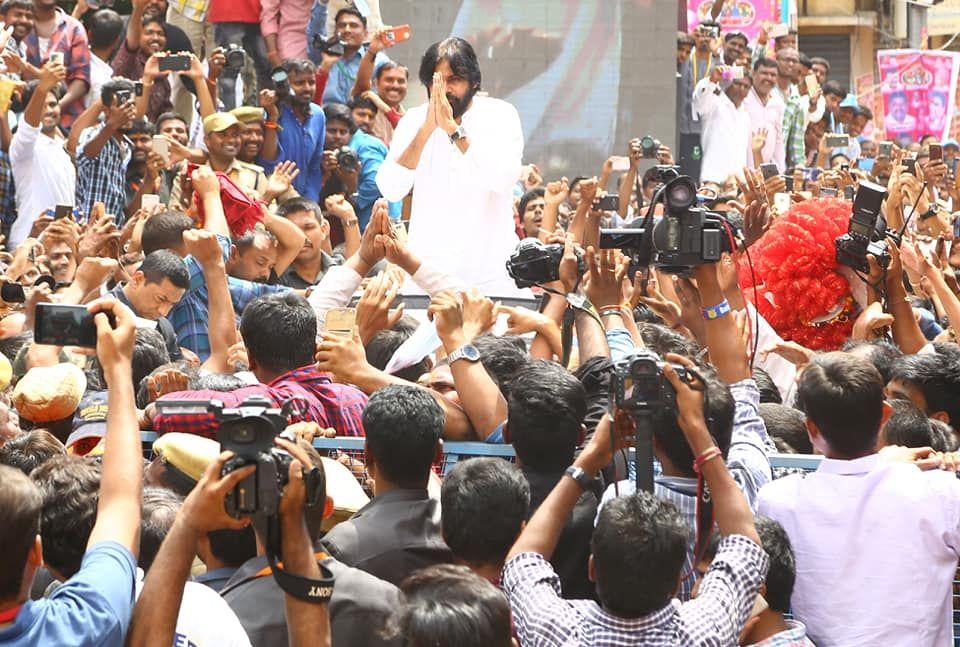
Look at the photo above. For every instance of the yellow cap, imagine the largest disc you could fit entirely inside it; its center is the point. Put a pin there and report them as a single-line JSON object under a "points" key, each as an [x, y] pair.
{"points": [[248, 114], [188, 453], [219, 121], [49, 393], [6, 372]]}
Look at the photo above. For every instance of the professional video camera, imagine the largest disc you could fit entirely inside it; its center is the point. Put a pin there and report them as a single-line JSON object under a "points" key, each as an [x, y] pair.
{"points": [[332, 46], [535, 262], [686, 235], [248, 431], [867, 232]]}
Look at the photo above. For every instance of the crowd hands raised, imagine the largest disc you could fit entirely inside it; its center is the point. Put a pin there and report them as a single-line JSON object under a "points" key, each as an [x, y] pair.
{"points": [[236, 282]]}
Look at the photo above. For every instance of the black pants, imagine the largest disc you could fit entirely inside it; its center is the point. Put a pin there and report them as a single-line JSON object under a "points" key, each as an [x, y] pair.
{"points": [[690, 156]]}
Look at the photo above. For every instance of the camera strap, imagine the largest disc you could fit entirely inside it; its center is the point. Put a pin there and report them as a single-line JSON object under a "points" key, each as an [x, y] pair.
{"points": [[307, 589], [704, 517]]}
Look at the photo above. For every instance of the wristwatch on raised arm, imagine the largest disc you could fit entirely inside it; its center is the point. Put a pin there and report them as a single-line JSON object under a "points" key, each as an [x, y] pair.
{"points": [[584, 480], [468, 352], [458, 134]]}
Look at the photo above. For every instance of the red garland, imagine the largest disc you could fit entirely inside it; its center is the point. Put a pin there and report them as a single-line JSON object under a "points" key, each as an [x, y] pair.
{"points": [[795, 267]]}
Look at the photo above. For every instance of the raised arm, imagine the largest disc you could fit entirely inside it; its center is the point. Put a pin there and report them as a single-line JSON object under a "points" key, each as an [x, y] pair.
{"points": [[723, 338], [50, 75], [365, 72], [205, 248], [118, 510], [206, 184]]}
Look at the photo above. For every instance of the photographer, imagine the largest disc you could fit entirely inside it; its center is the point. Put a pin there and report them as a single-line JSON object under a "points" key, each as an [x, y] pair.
{"points": [[94, 605], [302, 125], [351, 30], [351, 160], [638, 552]]}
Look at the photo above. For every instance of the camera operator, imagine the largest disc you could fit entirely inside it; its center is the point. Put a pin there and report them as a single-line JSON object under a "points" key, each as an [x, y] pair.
{"points": [[638, 552], [351, 26], [155, 615], [351, 160], [237, 24]]}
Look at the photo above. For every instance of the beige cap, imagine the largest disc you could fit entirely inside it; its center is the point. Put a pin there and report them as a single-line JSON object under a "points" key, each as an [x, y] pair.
{"points": [[188, 453], [49, 393], [219, 121]]}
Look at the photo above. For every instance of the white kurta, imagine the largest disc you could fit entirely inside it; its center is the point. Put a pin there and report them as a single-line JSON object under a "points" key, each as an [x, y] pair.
{"points": [[726, 133], [461, 220]]}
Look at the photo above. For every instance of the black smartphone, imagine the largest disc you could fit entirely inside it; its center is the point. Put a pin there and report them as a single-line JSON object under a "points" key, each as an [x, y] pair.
{"points": [[138, 88], [911, 164], [63, 211], [769, 170], [936, 152], [788, 181], [828, 192], [848, 192], [838, 141], [609, 203], [64, 325], [12, 293], [885, 149], [175, 63]]}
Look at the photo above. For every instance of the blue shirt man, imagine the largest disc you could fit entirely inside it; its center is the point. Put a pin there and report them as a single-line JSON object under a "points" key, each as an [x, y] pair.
{"points": [[371, 152], [343, 75], [301, 141]]}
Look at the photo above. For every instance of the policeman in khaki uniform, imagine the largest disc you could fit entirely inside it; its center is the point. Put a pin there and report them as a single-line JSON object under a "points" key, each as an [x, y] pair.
{"points": [[222, 138]]}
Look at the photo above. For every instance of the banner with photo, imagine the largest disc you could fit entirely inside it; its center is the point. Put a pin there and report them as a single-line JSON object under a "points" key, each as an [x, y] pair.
{"points": [[918, 89], [747, 16]]}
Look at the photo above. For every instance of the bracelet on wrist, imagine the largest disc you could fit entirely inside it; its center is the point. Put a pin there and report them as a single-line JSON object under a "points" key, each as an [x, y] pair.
{"points": [[717, 311], [707, 455]]}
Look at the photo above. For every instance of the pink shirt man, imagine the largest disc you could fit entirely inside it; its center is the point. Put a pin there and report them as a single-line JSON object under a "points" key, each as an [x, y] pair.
{"points": [[287, 21]]}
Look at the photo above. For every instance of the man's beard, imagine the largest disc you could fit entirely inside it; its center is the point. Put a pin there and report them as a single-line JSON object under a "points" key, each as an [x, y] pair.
{"points": [[460, 105]]}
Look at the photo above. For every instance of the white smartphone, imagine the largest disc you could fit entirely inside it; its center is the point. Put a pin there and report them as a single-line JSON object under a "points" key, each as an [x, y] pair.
{"points": [[149, 201], [620, 164], [56, 57], [341, 320], [161, 146]]}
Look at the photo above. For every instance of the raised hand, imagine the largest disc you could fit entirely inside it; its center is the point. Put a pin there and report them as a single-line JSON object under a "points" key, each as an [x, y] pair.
{"points": [[373, 309]]}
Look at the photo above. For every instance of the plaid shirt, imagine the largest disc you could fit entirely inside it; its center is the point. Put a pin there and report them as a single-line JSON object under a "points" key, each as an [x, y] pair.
{"points": [[195, 10], [794, 128], [794, 636], [103, 178], [68, 37], [191, 315], [727, 593], [324, 402], [8, 202], [746, 459]]}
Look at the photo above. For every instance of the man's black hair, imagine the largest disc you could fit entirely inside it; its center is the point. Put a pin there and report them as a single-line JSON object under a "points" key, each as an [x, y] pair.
{"points": [[10, 346], [352, 10], [165, 231], [391, 65], [786, 426], [110, 88], [30, 449], [863, 111], [843, 396], [768, 388], [547, 406], [384, 344], [104, 27], [7, 5], [834, 88], [297, 205], [764, 61], [279, 331], [70, 487], [141, 127], [340, 112], [730, 35], [639, 547], [502, 357], [21, 507], [938, 378], [450, 605], [458, 54], [403, 426], [158, 509], [907, 426], [947, 349], [151, 19], [169, 116], [821, 61], [805, 61], [149, 352], [942, 436], [58, 91], [879, 352], [485, 502], [298, 66], [233, 547], [246, 240], [164, 264], [783, 566], [364, 102], [529, 197]]}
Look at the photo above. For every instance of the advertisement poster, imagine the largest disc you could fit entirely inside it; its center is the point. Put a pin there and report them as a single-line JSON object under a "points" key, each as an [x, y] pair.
{"points": [[747, 16], [918, 88], [866, 90]]}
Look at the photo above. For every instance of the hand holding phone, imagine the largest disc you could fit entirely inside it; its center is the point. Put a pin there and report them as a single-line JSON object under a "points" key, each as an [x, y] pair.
{"points": [[174, 63], [60, 324], [936, 152], [161, 146], [397, 34], [341, 321], [838, 141]]}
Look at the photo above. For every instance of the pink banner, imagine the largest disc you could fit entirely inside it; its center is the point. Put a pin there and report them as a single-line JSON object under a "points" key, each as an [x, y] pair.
{"points": [[918, 89], [747, 16]]}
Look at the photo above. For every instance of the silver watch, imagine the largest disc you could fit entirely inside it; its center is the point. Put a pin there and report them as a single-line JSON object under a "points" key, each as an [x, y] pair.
{"points": [[458, 134], [584, 480], [468, 352]]}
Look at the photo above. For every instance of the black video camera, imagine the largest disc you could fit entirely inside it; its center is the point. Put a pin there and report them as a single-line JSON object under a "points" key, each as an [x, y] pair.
{"points": [[248, 431], [638, 384], [685, 237], [534, 262], [867, 232], [332, 46], [347, 159], [235, 55]]}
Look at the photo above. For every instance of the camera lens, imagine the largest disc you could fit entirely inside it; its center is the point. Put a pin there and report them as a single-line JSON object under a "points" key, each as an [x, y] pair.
{"points": [[243, 434], [680, 195]]}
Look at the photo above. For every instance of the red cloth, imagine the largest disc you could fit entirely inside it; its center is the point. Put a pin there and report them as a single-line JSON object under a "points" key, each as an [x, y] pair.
{"points": [[234, 11], [322, 76], [393, 117], [241, 211]]}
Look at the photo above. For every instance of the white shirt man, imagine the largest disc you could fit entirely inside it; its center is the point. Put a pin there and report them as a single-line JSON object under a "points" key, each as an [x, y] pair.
{"points": [[44, 176], [876, 548], [462, 214], [725, 134]]}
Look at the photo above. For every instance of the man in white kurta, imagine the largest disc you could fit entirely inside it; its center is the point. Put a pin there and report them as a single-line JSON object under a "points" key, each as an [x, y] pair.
{"points": [[462, 172], [726, 126]]}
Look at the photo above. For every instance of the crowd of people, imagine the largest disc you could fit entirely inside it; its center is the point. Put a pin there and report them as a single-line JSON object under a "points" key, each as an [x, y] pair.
{"points": [[219, 218]]}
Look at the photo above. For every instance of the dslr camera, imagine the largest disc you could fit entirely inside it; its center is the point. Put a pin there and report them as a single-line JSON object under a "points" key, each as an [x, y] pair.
{"points": [[867, 232], [347, 159], [235, 55], [248, 431], [332, 46], [281, 82], [648, 147], [638, 384], [685, 237], [535, 262]]}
